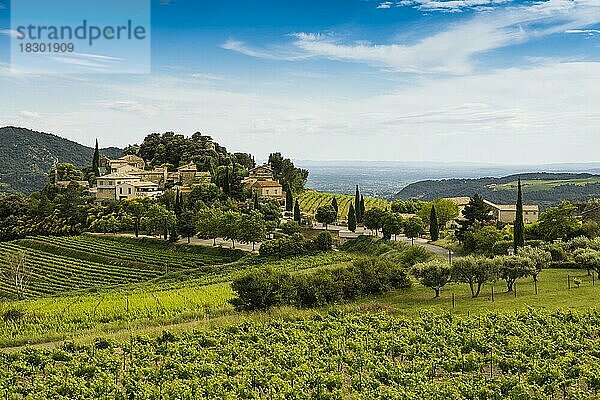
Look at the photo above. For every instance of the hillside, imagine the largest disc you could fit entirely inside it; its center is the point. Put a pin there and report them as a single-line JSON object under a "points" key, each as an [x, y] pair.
{"points": [[540, 188], [26, 156]]}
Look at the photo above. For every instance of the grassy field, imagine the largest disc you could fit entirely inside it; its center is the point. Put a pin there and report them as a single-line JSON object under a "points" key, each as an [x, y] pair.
{"points": [[537, 184], [310, 200]]}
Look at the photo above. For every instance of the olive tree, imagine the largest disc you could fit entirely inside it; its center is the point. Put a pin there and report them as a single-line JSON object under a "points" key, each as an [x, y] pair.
{"points": [[472, 270], [511, 268], [539, 257], [433, 274]]}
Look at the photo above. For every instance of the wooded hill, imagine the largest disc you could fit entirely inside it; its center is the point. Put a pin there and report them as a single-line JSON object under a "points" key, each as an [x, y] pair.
{"points": [[539, 188], [26, 156]]}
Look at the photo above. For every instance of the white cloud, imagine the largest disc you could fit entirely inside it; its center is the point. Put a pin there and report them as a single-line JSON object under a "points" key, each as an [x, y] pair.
{"points": [[590, 32], [452, 50], [29, 114], [451, 5], [385, 4], [270, 54], [542, 114]]}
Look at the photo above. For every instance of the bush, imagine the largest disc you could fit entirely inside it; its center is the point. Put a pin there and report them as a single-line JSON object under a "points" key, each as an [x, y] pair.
{"points": [[294, 245], [557, 252], [323, 242], [413, 255], [501, 247], [261, 289], [290, 227]]}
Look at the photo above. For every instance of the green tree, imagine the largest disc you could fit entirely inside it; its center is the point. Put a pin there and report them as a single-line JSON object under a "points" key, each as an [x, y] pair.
{"points": [[334, 204], [472, 270], [252, 228], [326, 215], [256, 203], [230, 226], [391, 224], [434, 227], [96, 160], [208, 223], [289, 198], [481, 239], [519, 227], [446, 211], [157, 217], [186, 224], [362, 208], [136, 209], [64, 172], [477, 211], [433, 274], [559, 222], [511, 268], [297, 213], [236, 188], [351, 219], [588, 259], [357, 205], [373, 219], [413, 227], [539, 257]]}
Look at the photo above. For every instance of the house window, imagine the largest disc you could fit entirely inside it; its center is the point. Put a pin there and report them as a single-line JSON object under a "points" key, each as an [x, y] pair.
{"points": [[120, 190], [129, 190]]}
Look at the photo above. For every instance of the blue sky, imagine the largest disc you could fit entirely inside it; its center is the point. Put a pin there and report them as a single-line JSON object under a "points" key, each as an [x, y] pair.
{"points": [[456, 80]]}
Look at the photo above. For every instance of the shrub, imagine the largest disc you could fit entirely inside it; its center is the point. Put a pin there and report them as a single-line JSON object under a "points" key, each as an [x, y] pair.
{"points": [[261, 289], [413, 255], [284, 247], [323, 242], [501, 247], [290, 227]]}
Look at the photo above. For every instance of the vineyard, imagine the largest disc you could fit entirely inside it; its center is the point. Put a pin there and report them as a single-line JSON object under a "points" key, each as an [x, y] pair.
{"points": [[178, 297], [527, 355], [311, 200], [60, 264]]}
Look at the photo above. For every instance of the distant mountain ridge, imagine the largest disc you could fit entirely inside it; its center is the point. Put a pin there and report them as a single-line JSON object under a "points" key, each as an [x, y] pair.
{"points": [[27, 155], [540, 188]]}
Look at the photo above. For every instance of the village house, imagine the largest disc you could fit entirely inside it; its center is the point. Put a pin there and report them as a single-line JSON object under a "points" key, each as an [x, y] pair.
{"points": [[507, 213], [128, 180], [261, 173]]}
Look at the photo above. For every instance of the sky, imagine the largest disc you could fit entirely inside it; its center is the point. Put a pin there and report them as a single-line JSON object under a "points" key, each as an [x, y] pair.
{"points": [[494, 81]]}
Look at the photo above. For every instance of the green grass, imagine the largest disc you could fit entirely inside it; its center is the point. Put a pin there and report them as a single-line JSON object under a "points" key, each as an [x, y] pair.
{"points": [[311, 200], [538, 184], [553, 294]]}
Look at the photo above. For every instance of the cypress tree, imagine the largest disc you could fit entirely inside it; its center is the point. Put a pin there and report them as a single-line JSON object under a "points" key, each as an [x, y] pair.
{"points": [[96, 160], [289, 199], [351, 219], [434, 226], [334, 204], [297, 214], [519, 234], [256, 205], [362, 208], [357, 205], [226, 182]]}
